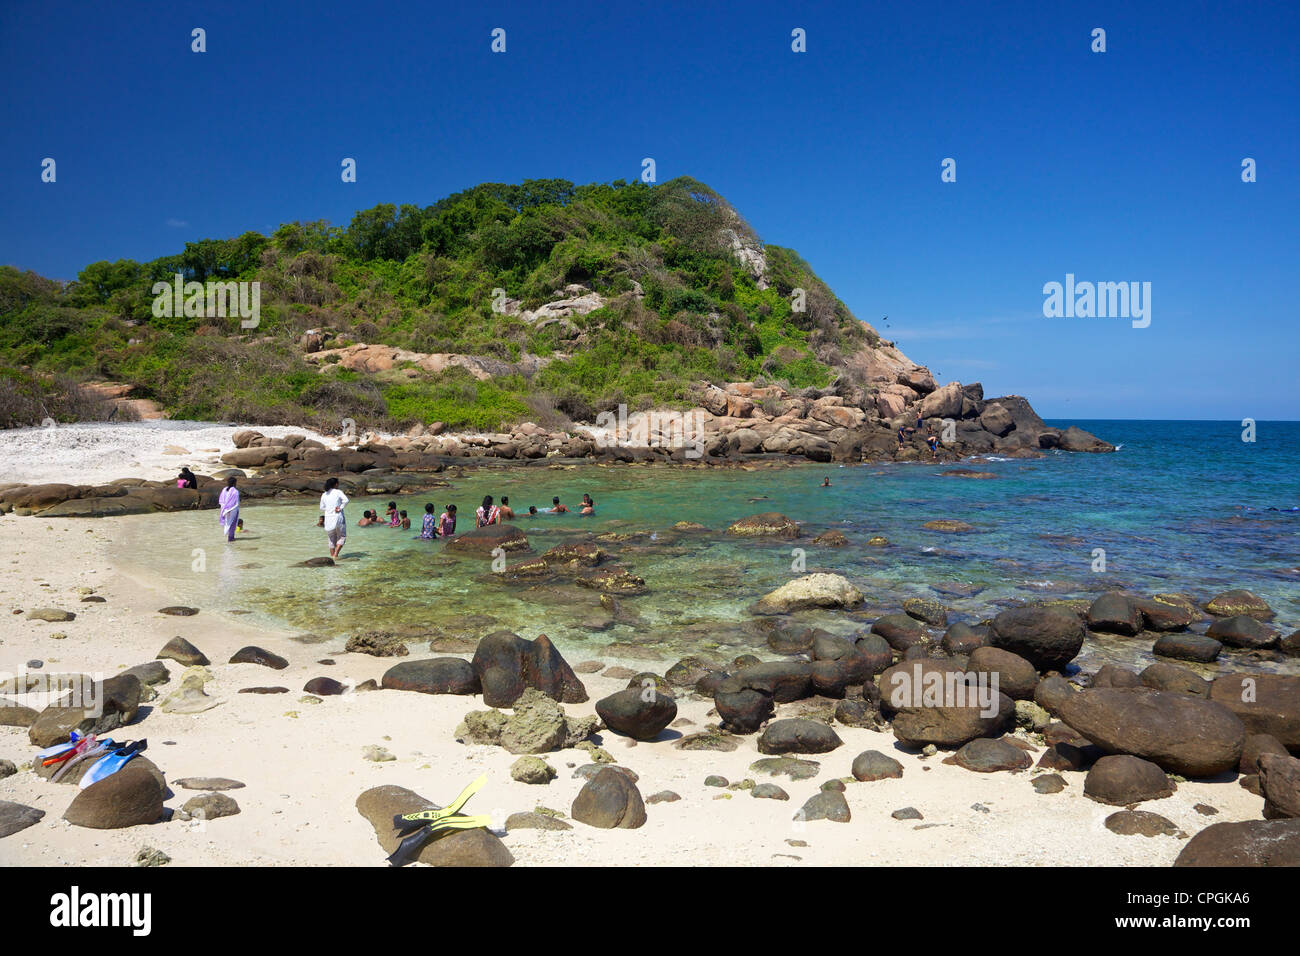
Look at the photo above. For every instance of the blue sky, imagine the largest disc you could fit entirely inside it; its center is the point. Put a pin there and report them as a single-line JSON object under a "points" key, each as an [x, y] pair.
{"points": [[1115, 166]]}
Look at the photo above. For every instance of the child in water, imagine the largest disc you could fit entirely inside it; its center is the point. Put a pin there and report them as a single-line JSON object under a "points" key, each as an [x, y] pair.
{"points": [[588, 506], [532, 511], [447, 522], [406, 522], [394, 519], [507, 513], [826, 482], [428, 524], [557, 508]]}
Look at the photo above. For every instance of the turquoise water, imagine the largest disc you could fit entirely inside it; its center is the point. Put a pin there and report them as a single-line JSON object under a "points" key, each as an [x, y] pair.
{"points": [[1182, 506]]}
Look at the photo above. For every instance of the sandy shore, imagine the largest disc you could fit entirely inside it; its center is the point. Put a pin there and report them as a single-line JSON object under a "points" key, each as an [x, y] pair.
{"points": [[303, 764]]}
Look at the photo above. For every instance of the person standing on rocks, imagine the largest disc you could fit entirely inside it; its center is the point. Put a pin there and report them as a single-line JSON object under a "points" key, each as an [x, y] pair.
{"points": [[229, 504], [332, 503]]}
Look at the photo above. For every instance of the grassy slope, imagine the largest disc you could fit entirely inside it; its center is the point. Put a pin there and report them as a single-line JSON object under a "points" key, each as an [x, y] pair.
{"points": [[423, 279]]}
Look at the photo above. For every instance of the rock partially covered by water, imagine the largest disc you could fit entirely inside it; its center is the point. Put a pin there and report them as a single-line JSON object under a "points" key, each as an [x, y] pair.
{"points": [[1047, 637], [1253, 843], [481, 542], [1182, 734], [1163, 616], [1242, 630], [609, 800], [476, 847], [771, 524], [1116, 613], [639, 714], [1187, 647], [440, 675], [810, 591], [1232, 603]]}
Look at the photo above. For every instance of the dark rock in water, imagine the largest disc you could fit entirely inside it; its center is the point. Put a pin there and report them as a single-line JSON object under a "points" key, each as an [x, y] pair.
{"points": [[1187, 647], [961, 638], [1049, 783], [209, 783], [321, 562], [1115, 613], [264, 690], [324, 687], [211, 806], [983, 755], [1111, 675], [1253, 843], [637, 714], [1231, 603], [831, 539], [481, 542], [901, 631], [948, 526], [15, 817], [259, 655], [791, 767], [907, 813], [663, 796], [1182, 734], [825, 805], [926, 610], [1163, 617], [439, 675], [609, 800], [150, 674], [1255, 747], [1279, 779], [873, 765], [1047, 637], [741, 709], [798, 736], [183, 652], [531, 820], [613, 579], [477, 847], [1121, 780], [1015, 676], [770, 524], [95, 708], [1141, 823], [179, 610], [128, 798], [784, 638], [1265, 703], [1177, 679], [1242, 630], [768, 791], [830, 647]]}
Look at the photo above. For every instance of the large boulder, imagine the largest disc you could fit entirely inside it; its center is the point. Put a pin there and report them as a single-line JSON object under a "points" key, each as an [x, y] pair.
{"points": [[742, 709], [988, 755], [1115, 612], [901, 631], [1252, 843], [1265, 703], [476, 847], [798, 736], [1164, 617], [636, 713], [1187, 647], [1238, 601], [1182, 734], [499, 663], [1047, 637], [1279, 779], [810, 591], [1014, 675], [93, 708], [1120, 779], [130, 797], [546, 670], [783, 681], [943, 402], [609, 800], [1242, 630], [439, 675]]}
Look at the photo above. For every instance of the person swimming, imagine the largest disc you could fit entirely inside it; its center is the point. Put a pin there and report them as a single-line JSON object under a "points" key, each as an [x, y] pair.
{"points": [[557, 508], [447, 522], [532, 511], [826, 482], [429, 523], [588, 506], [406, 522], [507, 513]]}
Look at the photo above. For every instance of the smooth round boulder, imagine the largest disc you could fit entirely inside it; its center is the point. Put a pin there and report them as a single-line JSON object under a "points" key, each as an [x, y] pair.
{"points": [[438, 675], [984, 755], [1048, 637], [798, 736], [259, 655], [481, 542], [1164, 617], [871, 765], [1242, 630], [1171, 677], [1255, 747], [901, 631], [1120, 780], [610, 801], [499, 664], [1239, 601], [1196, 648], [1115, 613], [962, 638], [635, 713], [130, 797], [741, 709], [1252, 843], [1011, 673]]}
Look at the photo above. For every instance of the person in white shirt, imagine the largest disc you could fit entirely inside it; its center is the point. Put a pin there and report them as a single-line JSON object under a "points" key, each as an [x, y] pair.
{"points": [[332, 503]]}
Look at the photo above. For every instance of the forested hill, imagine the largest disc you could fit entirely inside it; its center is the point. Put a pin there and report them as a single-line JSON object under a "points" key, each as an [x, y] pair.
{"points": [[541, 301]]}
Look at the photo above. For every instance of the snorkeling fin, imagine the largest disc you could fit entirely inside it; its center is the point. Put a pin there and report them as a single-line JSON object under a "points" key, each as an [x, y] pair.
{"points": [[406, 822], [409, 849], [112, 763], [95, 749]]}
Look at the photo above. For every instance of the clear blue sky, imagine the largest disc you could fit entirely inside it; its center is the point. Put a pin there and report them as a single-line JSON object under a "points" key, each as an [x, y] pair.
{"points": [[1116, 166]]}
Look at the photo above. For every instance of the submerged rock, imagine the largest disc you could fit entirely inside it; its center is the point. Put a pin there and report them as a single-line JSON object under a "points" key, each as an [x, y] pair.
{"points": [[768, 524]]}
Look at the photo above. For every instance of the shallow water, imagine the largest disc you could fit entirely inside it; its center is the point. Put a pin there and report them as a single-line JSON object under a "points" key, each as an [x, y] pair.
{"points": [[1181, 507]]}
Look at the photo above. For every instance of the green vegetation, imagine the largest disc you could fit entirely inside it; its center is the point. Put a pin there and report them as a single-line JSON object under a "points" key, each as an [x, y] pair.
{"points": [[681, 307]]}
